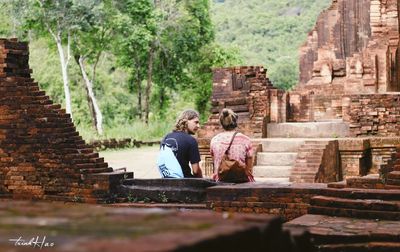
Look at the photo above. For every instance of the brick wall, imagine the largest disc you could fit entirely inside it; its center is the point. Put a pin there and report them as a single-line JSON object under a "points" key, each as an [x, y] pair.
{"points": [[310, 103], [41, 153], [288, 202], [248, 92], [374, 114]]}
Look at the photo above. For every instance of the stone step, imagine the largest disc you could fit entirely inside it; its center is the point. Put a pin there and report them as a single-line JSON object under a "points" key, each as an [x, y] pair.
{"points": [[393, 182], [171, 182], [96, 170], [306, 165], [310, 155], [371, 181], [308, 130], [308, 173], [276, 158], [348, 233], [284, 181], [361, 204], [306, 149], [280, 144], [394, 175], [317, 142], [337, 185], [355, 193], [268, 171], [361, 246], [302, 179], [355, 213]]}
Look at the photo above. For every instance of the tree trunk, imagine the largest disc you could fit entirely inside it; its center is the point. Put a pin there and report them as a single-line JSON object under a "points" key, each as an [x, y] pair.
{"points": [[161, 101], [64, 69], [149, 82], [94, 108], [95, 67], [139, 95]]}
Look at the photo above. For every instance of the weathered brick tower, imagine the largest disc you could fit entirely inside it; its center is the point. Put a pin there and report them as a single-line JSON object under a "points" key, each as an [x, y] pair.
{"points": [[353, 50], [42, 155], [249, 93]]}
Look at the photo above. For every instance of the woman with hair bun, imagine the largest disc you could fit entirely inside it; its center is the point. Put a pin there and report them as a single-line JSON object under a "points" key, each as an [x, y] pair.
{"points": [[238, 145]]}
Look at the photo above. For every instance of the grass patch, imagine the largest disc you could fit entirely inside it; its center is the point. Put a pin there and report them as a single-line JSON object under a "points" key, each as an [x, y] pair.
{"points": [[138, 130]]}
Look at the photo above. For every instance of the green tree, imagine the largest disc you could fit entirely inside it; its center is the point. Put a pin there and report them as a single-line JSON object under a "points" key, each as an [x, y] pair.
{"points": [[90, 41], [159, 40], [11, 18], [134, 24], [58, 19], [267, 32], [211, 56], [182, 43]]}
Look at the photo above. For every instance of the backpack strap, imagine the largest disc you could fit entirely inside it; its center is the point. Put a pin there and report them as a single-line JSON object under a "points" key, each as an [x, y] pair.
{"points": [[233, 137]]}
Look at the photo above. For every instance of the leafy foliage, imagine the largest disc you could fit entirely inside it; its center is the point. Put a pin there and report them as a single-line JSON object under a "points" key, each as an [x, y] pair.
{"points": [[190, 37], [268, 33]]}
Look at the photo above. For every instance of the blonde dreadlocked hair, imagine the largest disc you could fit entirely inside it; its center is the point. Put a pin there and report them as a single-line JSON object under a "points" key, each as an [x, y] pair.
{"points": [[182, 121]]}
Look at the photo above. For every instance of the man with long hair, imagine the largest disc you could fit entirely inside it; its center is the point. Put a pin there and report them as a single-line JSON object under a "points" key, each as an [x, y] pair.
{"points": [[184, 145]]}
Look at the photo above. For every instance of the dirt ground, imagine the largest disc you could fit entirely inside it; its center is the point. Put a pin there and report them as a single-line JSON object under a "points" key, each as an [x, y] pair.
{"points": [[142, 161]]}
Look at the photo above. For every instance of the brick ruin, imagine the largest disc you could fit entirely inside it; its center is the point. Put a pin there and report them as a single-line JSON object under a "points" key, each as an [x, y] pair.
{"points": [[42, 155], [248, 92], [353, 49], [349, 72]]}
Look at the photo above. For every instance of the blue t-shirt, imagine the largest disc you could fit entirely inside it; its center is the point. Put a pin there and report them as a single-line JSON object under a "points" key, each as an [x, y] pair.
{"points": [[185, 148]]}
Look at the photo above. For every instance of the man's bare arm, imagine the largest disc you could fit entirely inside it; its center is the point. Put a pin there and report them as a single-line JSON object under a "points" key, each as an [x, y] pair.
{"points": [[197, 171]]}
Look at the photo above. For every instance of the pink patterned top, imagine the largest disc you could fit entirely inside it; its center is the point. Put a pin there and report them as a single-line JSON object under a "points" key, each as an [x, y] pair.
{"points": [[241, 148]]}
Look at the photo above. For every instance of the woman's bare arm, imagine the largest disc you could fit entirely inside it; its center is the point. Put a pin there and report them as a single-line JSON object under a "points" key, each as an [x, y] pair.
{"points": [[249, 164]]}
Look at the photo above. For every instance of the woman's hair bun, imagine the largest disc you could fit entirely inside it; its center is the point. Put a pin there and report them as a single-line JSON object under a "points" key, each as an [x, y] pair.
{"points": [[225, 112], [228, 119]]}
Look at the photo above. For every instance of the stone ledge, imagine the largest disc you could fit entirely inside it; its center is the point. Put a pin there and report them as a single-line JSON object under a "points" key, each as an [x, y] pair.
{"points": [[341, 230], [97, 228]]}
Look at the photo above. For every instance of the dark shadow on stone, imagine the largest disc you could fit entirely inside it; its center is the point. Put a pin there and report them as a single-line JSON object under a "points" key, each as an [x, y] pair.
{"points": [[189, 190]]}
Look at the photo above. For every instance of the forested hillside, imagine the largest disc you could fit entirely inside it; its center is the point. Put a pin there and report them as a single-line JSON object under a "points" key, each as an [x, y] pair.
{"points": [[125, 68], [267, 32]]}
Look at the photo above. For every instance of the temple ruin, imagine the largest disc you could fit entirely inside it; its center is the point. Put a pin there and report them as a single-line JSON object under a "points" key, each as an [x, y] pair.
{"points": [[345, 107]]}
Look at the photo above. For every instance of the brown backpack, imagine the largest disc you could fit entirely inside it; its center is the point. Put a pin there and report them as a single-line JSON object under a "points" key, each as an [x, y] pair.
{"points": [[231, 170]]}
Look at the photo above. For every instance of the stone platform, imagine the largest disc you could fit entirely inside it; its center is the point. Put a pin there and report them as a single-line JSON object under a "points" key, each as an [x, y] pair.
{"points": [[286, 200], [347, 234], [189, 190], [82, 227]]}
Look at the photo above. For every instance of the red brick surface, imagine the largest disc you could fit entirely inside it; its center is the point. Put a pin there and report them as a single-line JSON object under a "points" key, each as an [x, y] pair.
{"points": [[377, 114], [82, 227], [41, 153], [288, 201], [249, 93], [347, 234]]}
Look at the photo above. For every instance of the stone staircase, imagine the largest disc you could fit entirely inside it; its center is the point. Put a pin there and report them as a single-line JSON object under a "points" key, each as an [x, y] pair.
{"points": [[275, 162], [308, 161], [358, 214], [363, 203], [293, 151], [329, 129], [340, 234]]}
